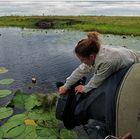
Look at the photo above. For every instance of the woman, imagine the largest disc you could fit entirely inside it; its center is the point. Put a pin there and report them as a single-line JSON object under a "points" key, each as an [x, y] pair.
{"points": [[101, 62]]}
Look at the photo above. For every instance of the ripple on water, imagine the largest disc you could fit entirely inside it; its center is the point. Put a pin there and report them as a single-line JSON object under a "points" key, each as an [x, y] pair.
{"points": [[47, 56]]}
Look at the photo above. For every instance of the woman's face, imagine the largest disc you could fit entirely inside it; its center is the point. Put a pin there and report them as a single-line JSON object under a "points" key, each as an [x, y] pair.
{"points": [[87, 60]]}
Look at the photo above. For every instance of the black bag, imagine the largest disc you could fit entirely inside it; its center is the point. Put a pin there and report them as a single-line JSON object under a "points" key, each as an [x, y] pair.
{"points": [[66, 105]]}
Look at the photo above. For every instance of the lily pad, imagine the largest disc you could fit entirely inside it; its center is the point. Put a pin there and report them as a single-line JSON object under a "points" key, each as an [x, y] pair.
{"points": [[47, 133], [29, 133], [11, 129], [7, 81], [19, 99], [14, 126], [31, 102], [1, 133], [35, 115], [15, 131], [3, 70], [4, 93], [18, 118], [5, 112]]}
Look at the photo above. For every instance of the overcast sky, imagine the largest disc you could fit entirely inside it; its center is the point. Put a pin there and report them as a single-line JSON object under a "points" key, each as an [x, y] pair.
{"points": [[73, 7], [59, 0]]}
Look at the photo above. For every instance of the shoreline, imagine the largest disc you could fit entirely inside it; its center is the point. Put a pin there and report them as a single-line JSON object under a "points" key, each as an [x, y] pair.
{"points": [[118, 25]]}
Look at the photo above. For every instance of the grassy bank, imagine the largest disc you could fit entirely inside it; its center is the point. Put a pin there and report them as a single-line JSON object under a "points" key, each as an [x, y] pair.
{"points": [[103, 24]]}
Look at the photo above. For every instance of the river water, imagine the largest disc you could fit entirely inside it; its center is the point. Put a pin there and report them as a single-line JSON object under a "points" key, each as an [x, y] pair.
{"points": [[45, 54]]}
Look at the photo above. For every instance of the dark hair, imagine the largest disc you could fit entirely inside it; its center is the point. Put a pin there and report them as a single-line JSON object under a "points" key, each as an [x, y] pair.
{"points": [[86, 47]]}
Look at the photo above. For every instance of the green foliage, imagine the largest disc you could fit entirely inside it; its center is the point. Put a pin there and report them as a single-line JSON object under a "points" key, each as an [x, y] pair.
{"points": [[29, 133], [7, 81], [47, 126], [18, 118], [10, 125], [14, 131], [104, 24], [3, 70], [36, 115], [4, 93], [48, 100], [5, 112], [1, 133], [35, 122], [19, 99], [31, 102], [67, 134], [34, 100], [49, 133]]}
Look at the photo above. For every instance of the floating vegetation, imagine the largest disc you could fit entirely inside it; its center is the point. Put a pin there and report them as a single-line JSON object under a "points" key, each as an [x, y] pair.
{"points": [[38, 119], [14, 131], [48, 101], [7, 81], [35, 122], [4, 93], [12, 128], [3, 70], [5, 112], [31, 102]]}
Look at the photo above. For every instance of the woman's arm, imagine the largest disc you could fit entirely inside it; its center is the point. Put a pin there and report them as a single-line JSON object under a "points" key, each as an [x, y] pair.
{"points": [[104, 70], [76, 75]]}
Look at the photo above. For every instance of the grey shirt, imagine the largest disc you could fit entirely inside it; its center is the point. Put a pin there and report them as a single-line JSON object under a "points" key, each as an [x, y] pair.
{"points": [[108, 60]]}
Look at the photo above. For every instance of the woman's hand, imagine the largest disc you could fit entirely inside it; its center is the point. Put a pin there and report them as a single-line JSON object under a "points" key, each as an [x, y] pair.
{"points": [[79, 89], [61, 90]]}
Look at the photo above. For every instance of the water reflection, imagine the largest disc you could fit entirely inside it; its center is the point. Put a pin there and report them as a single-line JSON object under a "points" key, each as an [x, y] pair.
{"points": [[46, 55]]}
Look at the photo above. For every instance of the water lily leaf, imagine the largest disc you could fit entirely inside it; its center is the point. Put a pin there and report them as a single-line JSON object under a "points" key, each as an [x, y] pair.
{"points": [[4, 93], [1, 133], [31, 102], [41, 115], [19, 118], [14, 126], [35, 115], [19, 99], [5, 112], [15, 131], [7, 81], [3, 70], [48, 133], [29, 133]]}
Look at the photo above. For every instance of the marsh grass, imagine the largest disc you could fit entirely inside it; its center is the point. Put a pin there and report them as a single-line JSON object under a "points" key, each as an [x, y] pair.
{"points": [[104, 24]]}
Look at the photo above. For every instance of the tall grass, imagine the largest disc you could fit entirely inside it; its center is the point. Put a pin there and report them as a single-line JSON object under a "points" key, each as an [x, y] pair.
{"points": [[103, 24]]}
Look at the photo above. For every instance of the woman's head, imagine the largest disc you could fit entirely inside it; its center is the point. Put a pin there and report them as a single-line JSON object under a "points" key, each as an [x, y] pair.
{"points": [[86, 49]]}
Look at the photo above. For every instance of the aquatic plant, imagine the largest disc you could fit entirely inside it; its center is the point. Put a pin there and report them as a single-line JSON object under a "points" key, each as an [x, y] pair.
{"points": [[5, 92], [35, 121], [127, 25], [3, 70], [6, 81]]}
